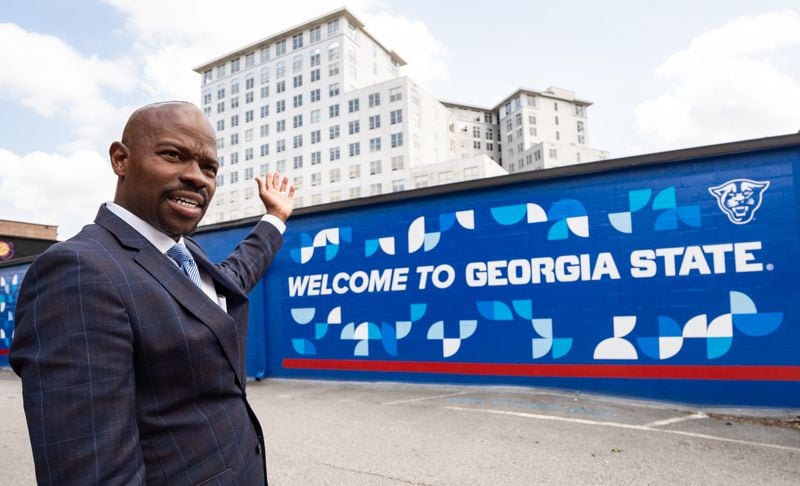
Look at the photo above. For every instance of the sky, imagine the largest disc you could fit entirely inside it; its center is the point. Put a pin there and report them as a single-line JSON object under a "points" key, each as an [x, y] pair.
{"points": [[662, 74]]}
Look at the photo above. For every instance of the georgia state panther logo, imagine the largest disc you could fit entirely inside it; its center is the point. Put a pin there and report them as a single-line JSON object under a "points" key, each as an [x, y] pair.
{"points": [[739, 199]]}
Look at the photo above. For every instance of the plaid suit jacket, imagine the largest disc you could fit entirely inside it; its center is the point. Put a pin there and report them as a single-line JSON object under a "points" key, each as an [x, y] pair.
{"points": [[130, 373]]}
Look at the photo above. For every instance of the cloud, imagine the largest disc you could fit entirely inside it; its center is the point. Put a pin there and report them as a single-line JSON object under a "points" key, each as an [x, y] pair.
{"points": [[730, 83], [50, 77], [54, 189], [174, 36]]}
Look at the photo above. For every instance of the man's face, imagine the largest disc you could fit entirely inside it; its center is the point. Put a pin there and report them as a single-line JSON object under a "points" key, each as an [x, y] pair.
{"points": [[168, 176]]}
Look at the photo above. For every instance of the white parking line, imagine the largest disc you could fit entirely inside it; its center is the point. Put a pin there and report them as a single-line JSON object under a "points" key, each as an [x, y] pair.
{"points": [[644, 428], [675, 420], [420, 399]]}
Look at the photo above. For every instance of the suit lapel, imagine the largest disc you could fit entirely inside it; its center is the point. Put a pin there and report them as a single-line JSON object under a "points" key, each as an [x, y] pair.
{"points": [[181, 288]]}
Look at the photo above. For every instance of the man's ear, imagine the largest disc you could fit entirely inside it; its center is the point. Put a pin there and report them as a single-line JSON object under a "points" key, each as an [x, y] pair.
{"points": [[119, 154]]}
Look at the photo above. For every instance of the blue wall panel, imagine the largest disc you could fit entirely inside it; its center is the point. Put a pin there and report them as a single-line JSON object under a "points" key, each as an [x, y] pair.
{"points": [[673, 281], [10, 281]]}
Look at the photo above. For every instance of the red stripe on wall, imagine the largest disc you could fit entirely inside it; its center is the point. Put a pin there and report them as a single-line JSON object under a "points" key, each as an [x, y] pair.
{"points": [[676, 372], [3, 352]]}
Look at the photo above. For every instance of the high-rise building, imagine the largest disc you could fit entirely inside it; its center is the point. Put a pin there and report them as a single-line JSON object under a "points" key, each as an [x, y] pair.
{"points": [[324, 103]]}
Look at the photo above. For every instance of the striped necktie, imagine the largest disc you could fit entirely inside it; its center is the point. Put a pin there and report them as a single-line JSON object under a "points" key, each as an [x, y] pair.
{"points": [[181, 255]]}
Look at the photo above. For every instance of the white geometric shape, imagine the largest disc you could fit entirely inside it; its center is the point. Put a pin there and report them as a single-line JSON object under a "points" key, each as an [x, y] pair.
{"points": [[320, 239], [543, 327], [2, 333], [623, 325], [2, 306], [431, 240], [416, 234], [467, 328], [306, 253], [335, 315], [696, 327], [536, 214], [466, 219], [741, 303], [362, 331], [541, 347], [403, 328], [579, 225], [332, 234], [721, 326], [615, 348], [669, 346], [362, 349], [387, 244], [450, 346]]}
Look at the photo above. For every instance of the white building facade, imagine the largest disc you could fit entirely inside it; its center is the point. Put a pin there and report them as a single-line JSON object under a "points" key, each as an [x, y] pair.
{"points": [[324, 103]]}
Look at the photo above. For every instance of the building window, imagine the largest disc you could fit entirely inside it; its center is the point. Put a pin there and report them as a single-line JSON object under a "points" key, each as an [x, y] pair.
{"points": [[580, 126], [355, 192], [297, 141], [280, 146], [248, 116], [374, 99], [235, 65], [374, 122], [375, 167], [421, 180], [297, 182], [316, 179], [264, 111], [235, 102], [556, 120], [280, 48], [314, 75], [375, 189], [470, 173], [297, 162], [476, 132], [335, 195], [316, 158], [280, 69], [374, 144], [248, 135], [315, 136], [263, 168], [333, 131], [352, 105], [297, 81], [314, 35], [264, 91], [297, 121], [280, 106], [333, 27], [333, 69], [315, 95], [234, 178], [220, 71], [354, 149], [553, 153], [280, 87], [234, 139], [397, 163], [220, 125], [487, 117], [264, 149], [280, 126], [280, 166], [297, 41], [297, 101], [333, 111], [395, 94], [476, 144], [333, 90], [581, 138], [335, 175], [397, 139], [234, 158], [398, 185], [354, 171], [334, 154], [353, 127], [396, 116]]}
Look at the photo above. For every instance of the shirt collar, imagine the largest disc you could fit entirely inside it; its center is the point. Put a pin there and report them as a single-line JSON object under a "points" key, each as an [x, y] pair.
{"points": [[160, 240]]}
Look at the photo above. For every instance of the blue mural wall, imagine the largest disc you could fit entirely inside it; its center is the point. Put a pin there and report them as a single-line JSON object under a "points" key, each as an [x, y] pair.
{"points": [[674, 281], [10, 280]]}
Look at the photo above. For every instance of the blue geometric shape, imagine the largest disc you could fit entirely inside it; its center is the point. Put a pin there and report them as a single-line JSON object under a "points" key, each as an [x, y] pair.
{"points": [[540, 347], [305, 240], [561, 347], [665, 199], [566, 208], [446, 221], [621, 222], [508, 215], [668, 220], [303, 315], [494, 310], [759, 324], [417, 311], [330, 252], [346, 234], [436, 331], [348, 331], [389, 339], [559, 231], [638, 199], [361, 349], [373, 331], [741, 303], [718, 346], [649, 346], [370, 247], [320, 329], [431, 240], [304, 347], [523, 308], [295, 254], [690, 215], [668, 327]]}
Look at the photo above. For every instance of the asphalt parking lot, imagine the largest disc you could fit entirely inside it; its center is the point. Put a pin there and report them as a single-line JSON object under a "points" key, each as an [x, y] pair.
{"points": [[345, 433]]}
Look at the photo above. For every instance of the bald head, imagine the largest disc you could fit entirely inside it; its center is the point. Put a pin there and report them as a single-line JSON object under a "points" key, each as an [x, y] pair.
{"points": [[166, 166]]}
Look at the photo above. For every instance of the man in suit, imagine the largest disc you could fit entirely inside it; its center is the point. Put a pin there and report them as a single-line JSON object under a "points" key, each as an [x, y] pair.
{"points": [[131, 350]]}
